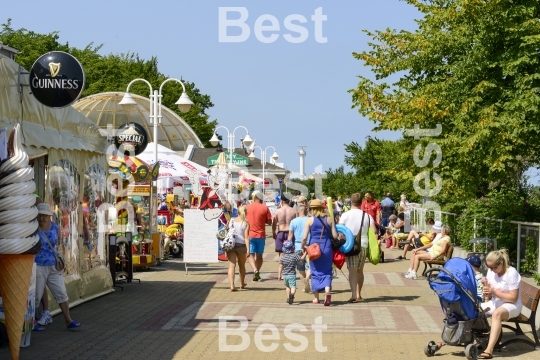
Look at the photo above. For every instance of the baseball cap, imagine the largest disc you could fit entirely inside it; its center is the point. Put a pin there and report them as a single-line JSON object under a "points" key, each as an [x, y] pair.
{"points": [[258, 194], [474, 260]]}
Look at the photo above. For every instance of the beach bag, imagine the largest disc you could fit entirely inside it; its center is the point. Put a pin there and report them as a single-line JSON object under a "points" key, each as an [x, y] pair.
{"points": [[357, 246], [373, 250], [60, 263], [227, 244], [339, 258]]}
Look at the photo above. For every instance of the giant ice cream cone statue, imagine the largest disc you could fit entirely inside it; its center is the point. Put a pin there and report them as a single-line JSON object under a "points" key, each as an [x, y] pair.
{"points": [[19, 241]]}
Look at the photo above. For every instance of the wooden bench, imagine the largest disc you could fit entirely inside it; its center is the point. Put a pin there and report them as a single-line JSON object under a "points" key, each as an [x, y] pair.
{"points": [[438, 261], [530, 296]]}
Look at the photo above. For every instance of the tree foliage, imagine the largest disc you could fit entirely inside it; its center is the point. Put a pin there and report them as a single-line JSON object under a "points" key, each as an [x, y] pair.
{"points": [[113, 72], [473, 67]]}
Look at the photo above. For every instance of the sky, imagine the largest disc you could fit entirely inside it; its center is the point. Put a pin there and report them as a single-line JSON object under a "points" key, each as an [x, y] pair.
{"points": [[288, 90]]}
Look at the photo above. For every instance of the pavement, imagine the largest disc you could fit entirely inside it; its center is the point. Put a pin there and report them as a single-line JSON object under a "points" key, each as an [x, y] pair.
{"points": [[174, 315]]}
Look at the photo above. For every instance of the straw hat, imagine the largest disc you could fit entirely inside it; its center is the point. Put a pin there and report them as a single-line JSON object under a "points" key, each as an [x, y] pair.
{"points": [[315, 203]]}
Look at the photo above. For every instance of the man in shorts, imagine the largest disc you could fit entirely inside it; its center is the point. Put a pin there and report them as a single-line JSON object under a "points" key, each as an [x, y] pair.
{"points": [[282, 219], [258, 216], [355, 263]]}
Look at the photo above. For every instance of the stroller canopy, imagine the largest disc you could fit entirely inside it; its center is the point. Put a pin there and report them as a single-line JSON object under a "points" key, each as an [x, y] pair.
{"points": [[456, 283]]}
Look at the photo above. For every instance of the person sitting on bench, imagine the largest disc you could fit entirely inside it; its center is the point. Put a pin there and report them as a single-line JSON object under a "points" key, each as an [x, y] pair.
{"points": [[503, 287], [431, 251], [419, 239]]}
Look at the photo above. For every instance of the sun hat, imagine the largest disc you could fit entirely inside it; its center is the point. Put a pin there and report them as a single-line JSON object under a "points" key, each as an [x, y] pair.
{"points": [[474, 260], [258, 194], [288, 247], [300, 199], [44, 209], [315, 203], [437, 226]]}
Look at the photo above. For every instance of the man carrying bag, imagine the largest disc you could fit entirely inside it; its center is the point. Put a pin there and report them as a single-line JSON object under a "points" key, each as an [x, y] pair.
{"points": [[358, 222]]}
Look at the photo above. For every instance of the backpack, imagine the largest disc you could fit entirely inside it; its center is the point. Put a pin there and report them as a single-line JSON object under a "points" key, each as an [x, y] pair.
{"points": [[357, 246]]}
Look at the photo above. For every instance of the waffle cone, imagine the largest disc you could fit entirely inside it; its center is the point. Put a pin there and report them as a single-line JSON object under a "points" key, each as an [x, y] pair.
{"points": [[15, 273]]}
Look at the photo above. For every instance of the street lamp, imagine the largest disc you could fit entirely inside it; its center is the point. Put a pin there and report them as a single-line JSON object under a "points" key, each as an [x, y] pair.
{"points": [[128, 104], [274, 157], [230, 146]]}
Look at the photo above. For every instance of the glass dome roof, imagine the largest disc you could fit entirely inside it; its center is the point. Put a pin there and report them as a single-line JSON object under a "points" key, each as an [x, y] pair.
{"points": [[103, 109]]}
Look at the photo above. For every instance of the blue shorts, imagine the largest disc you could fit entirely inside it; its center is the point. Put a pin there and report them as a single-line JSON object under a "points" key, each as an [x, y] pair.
{"points": [[290, 281], [256, 245]]}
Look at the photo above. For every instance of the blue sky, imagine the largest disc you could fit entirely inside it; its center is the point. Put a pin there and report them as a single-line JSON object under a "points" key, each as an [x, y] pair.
{"points": [[286, 94]]}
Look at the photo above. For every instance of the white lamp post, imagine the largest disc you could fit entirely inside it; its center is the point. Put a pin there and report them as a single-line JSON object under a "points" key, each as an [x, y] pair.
{"points": [[128, 103], [274, 157], [230, 146]]}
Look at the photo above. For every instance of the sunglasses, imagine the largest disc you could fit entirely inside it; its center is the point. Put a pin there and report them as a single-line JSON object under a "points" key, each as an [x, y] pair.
{"points": [[494, 267]]}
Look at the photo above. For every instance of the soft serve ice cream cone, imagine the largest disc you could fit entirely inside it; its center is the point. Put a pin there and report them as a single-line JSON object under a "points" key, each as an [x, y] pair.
{"points": [[19, 241]]}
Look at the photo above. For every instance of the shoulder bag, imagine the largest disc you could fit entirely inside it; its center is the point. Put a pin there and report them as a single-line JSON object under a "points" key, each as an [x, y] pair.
{"points": [[314, 250], [60, 260], [357, 246], [227, 244]]}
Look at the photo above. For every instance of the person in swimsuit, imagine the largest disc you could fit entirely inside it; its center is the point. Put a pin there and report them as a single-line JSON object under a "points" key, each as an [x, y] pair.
{"points": [[280, 227]]}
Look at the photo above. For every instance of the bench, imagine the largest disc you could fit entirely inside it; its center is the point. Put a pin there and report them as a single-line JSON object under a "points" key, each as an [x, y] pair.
{"points": [[439, 260], [530, 296]]}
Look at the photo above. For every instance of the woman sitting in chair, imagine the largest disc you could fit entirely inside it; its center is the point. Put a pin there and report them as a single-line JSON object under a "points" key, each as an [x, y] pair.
{"points": [[431, 251], [503, 288]]}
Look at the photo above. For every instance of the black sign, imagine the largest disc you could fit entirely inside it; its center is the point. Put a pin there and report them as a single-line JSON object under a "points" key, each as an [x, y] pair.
{"points": [[57, 79], [132, 138]]}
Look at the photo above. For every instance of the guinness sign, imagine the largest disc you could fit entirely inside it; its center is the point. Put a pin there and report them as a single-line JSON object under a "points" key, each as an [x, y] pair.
{"points": [[57, 79], [132, 137]]}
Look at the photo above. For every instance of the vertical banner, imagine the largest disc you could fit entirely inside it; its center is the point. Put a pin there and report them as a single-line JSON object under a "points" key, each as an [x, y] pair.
{"points": [[3, 143], [200, 241], [30, 310]]}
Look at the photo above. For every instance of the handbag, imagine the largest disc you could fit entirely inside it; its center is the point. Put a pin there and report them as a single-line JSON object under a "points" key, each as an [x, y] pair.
{"points": [[60, 260], [314, 250], [339, 258], [357, 246], [228, 243]]}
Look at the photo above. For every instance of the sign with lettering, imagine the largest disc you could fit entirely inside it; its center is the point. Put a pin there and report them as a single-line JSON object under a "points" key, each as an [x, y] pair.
{"points": [[57, 79], [237, 159], [200, 241], [132, 138]]}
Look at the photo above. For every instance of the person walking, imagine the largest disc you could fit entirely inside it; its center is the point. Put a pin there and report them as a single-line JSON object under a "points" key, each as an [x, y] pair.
{"points": [[371, 207], [46, 273], [352, 219], [258, 216], [388, 207], [241, 244], [296, 231], [280, 227], [321, 229]]}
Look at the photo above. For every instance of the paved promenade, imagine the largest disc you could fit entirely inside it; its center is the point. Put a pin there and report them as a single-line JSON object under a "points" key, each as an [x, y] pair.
{"points": [[171, 315]]}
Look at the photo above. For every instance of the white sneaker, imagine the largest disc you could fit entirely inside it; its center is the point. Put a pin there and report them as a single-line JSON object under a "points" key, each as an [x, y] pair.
{"points": [[410, 275], [45, 319]]}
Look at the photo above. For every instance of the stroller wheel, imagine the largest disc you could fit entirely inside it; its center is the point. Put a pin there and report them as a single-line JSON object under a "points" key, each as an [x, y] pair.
{"points": [[430, 348], [471, 351]]}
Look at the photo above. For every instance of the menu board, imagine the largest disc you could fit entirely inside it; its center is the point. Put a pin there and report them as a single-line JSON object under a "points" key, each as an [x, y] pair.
{"points": [[200, 241]]}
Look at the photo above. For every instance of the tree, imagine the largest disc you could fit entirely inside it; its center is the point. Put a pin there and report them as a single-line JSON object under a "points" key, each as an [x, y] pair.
{"points": [[113, 72], [473, 67]]}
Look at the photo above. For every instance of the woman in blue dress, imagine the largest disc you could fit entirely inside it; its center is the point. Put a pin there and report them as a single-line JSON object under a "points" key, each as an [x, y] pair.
{"points": [[318, 227]]}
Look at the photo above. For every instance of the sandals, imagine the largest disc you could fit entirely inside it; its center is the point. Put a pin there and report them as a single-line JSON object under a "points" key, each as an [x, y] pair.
{"points": [[234, 289], [74, 325], [38, 327], [351, 300], [327, 300], [485, 355]]}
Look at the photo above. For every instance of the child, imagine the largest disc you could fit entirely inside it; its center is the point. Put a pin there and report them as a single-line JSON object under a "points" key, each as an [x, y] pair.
{"points": [[289, 259], [475, 262], [389, 238]]}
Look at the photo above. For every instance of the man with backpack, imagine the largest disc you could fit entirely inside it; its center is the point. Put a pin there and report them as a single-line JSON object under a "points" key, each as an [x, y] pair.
{"points": [[358, 222]]}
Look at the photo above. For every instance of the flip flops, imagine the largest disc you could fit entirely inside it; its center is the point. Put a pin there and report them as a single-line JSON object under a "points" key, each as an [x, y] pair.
{"points": [[38, 327], [74, 325], [351, 300], [485, 355]]}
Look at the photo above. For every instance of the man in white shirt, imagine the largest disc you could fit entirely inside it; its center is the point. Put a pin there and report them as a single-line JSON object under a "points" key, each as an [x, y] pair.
{"points": [[355, 263]]}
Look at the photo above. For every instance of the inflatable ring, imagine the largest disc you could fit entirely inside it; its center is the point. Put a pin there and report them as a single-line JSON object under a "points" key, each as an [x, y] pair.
{"points": [[349, 238]]}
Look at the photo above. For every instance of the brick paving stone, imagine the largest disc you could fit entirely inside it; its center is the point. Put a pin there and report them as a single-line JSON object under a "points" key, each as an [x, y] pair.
{"points": [[171, 315]]}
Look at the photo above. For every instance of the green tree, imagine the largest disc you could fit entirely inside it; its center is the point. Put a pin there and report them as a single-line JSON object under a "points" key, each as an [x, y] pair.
{"points": [[473, 67], [113, 72]]}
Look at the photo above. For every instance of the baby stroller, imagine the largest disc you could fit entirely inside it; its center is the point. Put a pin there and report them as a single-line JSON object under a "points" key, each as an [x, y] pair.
{"points": [[465, 323]]}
